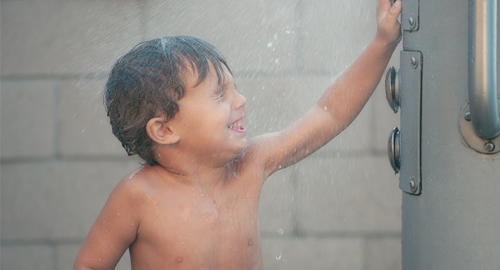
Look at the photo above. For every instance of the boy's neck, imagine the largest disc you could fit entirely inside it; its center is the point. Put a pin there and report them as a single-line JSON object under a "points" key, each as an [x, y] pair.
{"points": [[204, 176]]}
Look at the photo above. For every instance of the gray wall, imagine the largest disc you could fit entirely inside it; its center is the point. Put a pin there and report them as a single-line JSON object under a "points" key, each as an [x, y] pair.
{"points": [[338, 209]]}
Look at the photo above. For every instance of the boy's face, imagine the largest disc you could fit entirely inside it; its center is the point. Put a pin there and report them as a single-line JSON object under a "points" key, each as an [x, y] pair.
{"points": [[212, 117]]}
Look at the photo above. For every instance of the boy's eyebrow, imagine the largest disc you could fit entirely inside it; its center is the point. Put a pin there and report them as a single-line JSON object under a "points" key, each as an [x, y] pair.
{"points": [[228, 82], [219, 88], [222, 85]]}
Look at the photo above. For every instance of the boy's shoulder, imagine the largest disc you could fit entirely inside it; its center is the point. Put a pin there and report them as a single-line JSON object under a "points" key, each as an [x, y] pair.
{"points": [[137, 183]]}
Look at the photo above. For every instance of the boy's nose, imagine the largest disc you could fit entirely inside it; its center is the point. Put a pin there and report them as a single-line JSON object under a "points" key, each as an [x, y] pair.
{"points": [[239, 101]]}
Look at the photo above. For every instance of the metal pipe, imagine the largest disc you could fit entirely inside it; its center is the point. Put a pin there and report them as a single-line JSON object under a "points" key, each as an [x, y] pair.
{"points": [[483, 68]]}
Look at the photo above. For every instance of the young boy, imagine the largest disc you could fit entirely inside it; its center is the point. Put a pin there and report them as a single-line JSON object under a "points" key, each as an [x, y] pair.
{"points": [[194, 204]]}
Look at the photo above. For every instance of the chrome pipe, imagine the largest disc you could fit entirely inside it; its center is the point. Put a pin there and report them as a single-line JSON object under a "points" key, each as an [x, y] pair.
{"points": [[483, 68]]}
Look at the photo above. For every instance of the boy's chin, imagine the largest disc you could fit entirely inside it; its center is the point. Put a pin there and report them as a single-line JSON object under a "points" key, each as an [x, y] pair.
{"points": [[229, 156], [240, 148]]}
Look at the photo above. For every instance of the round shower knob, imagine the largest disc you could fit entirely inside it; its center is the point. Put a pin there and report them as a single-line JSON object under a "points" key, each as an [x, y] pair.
{"points": [[392, 80], [393, 149]]}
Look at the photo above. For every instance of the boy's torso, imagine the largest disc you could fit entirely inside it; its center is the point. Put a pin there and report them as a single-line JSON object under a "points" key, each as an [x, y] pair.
{"points": [[181, 227]]}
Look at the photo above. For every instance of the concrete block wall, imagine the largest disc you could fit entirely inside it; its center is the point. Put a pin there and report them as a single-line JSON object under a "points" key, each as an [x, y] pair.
{"points": [[338, 209]]}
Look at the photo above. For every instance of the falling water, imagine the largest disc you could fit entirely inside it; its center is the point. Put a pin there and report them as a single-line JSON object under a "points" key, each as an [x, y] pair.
{"points": [[283, 53]]}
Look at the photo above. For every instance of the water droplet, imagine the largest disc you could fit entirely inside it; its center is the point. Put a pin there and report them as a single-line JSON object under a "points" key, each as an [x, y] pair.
{"points": [[326, 108], [281, 232], [278, 257], [269, 45]]}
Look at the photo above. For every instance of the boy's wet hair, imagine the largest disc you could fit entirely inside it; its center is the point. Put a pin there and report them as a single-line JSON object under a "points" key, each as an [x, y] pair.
{"points": [[149, 80]]}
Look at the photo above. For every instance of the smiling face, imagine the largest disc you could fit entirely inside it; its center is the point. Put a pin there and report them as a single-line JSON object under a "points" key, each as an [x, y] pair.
{"points": [[211, 117]]}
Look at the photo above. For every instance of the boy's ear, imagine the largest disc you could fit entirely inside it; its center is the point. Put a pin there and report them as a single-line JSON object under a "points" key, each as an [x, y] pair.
{"points": [[160, 131]]}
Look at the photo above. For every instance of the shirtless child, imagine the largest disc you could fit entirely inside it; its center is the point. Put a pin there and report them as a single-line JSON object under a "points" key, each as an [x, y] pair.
{"points": [[194, 204]]}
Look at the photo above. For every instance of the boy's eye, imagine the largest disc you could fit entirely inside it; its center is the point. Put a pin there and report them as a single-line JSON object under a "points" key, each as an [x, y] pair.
{"points": [[221, 94]]}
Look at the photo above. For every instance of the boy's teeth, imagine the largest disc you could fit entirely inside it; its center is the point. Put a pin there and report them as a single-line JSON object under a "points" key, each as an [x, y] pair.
{"points": [[236, 125]]}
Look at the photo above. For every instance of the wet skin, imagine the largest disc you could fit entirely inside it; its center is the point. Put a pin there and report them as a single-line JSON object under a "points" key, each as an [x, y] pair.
{"points": [[198, 208], [183, 227]]}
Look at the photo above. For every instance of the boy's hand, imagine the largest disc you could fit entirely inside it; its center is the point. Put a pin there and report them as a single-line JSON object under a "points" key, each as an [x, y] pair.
{"points": [[388, 26]]}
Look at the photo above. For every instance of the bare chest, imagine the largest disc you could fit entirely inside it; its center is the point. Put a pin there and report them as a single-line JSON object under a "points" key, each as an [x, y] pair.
{"points": [[204, 231]]}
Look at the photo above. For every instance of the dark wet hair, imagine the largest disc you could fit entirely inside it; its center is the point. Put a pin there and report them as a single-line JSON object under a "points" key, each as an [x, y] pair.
{"points": [[148, 80]]}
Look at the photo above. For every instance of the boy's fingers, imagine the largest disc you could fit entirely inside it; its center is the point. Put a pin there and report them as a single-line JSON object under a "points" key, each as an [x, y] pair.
{"points": [[384, 5], [395, 10]]}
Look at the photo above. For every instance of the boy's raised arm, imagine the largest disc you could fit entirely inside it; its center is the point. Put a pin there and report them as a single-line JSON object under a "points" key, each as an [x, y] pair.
{"points": [[341, 103]]}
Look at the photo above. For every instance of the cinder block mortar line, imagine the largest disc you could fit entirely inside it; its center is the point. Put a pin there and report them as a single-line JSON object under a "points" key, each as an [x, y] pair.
{"points": [[270, 235], [41, 242], [348, 154], [55, 76], [292, 73], [57, 117], [295, 220], [54, 159], [252, 74], [364, 255], [378, 152], [143, 18], [120, 158], [299, 45], [331, 235], [372, 125], [55, 258]]}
